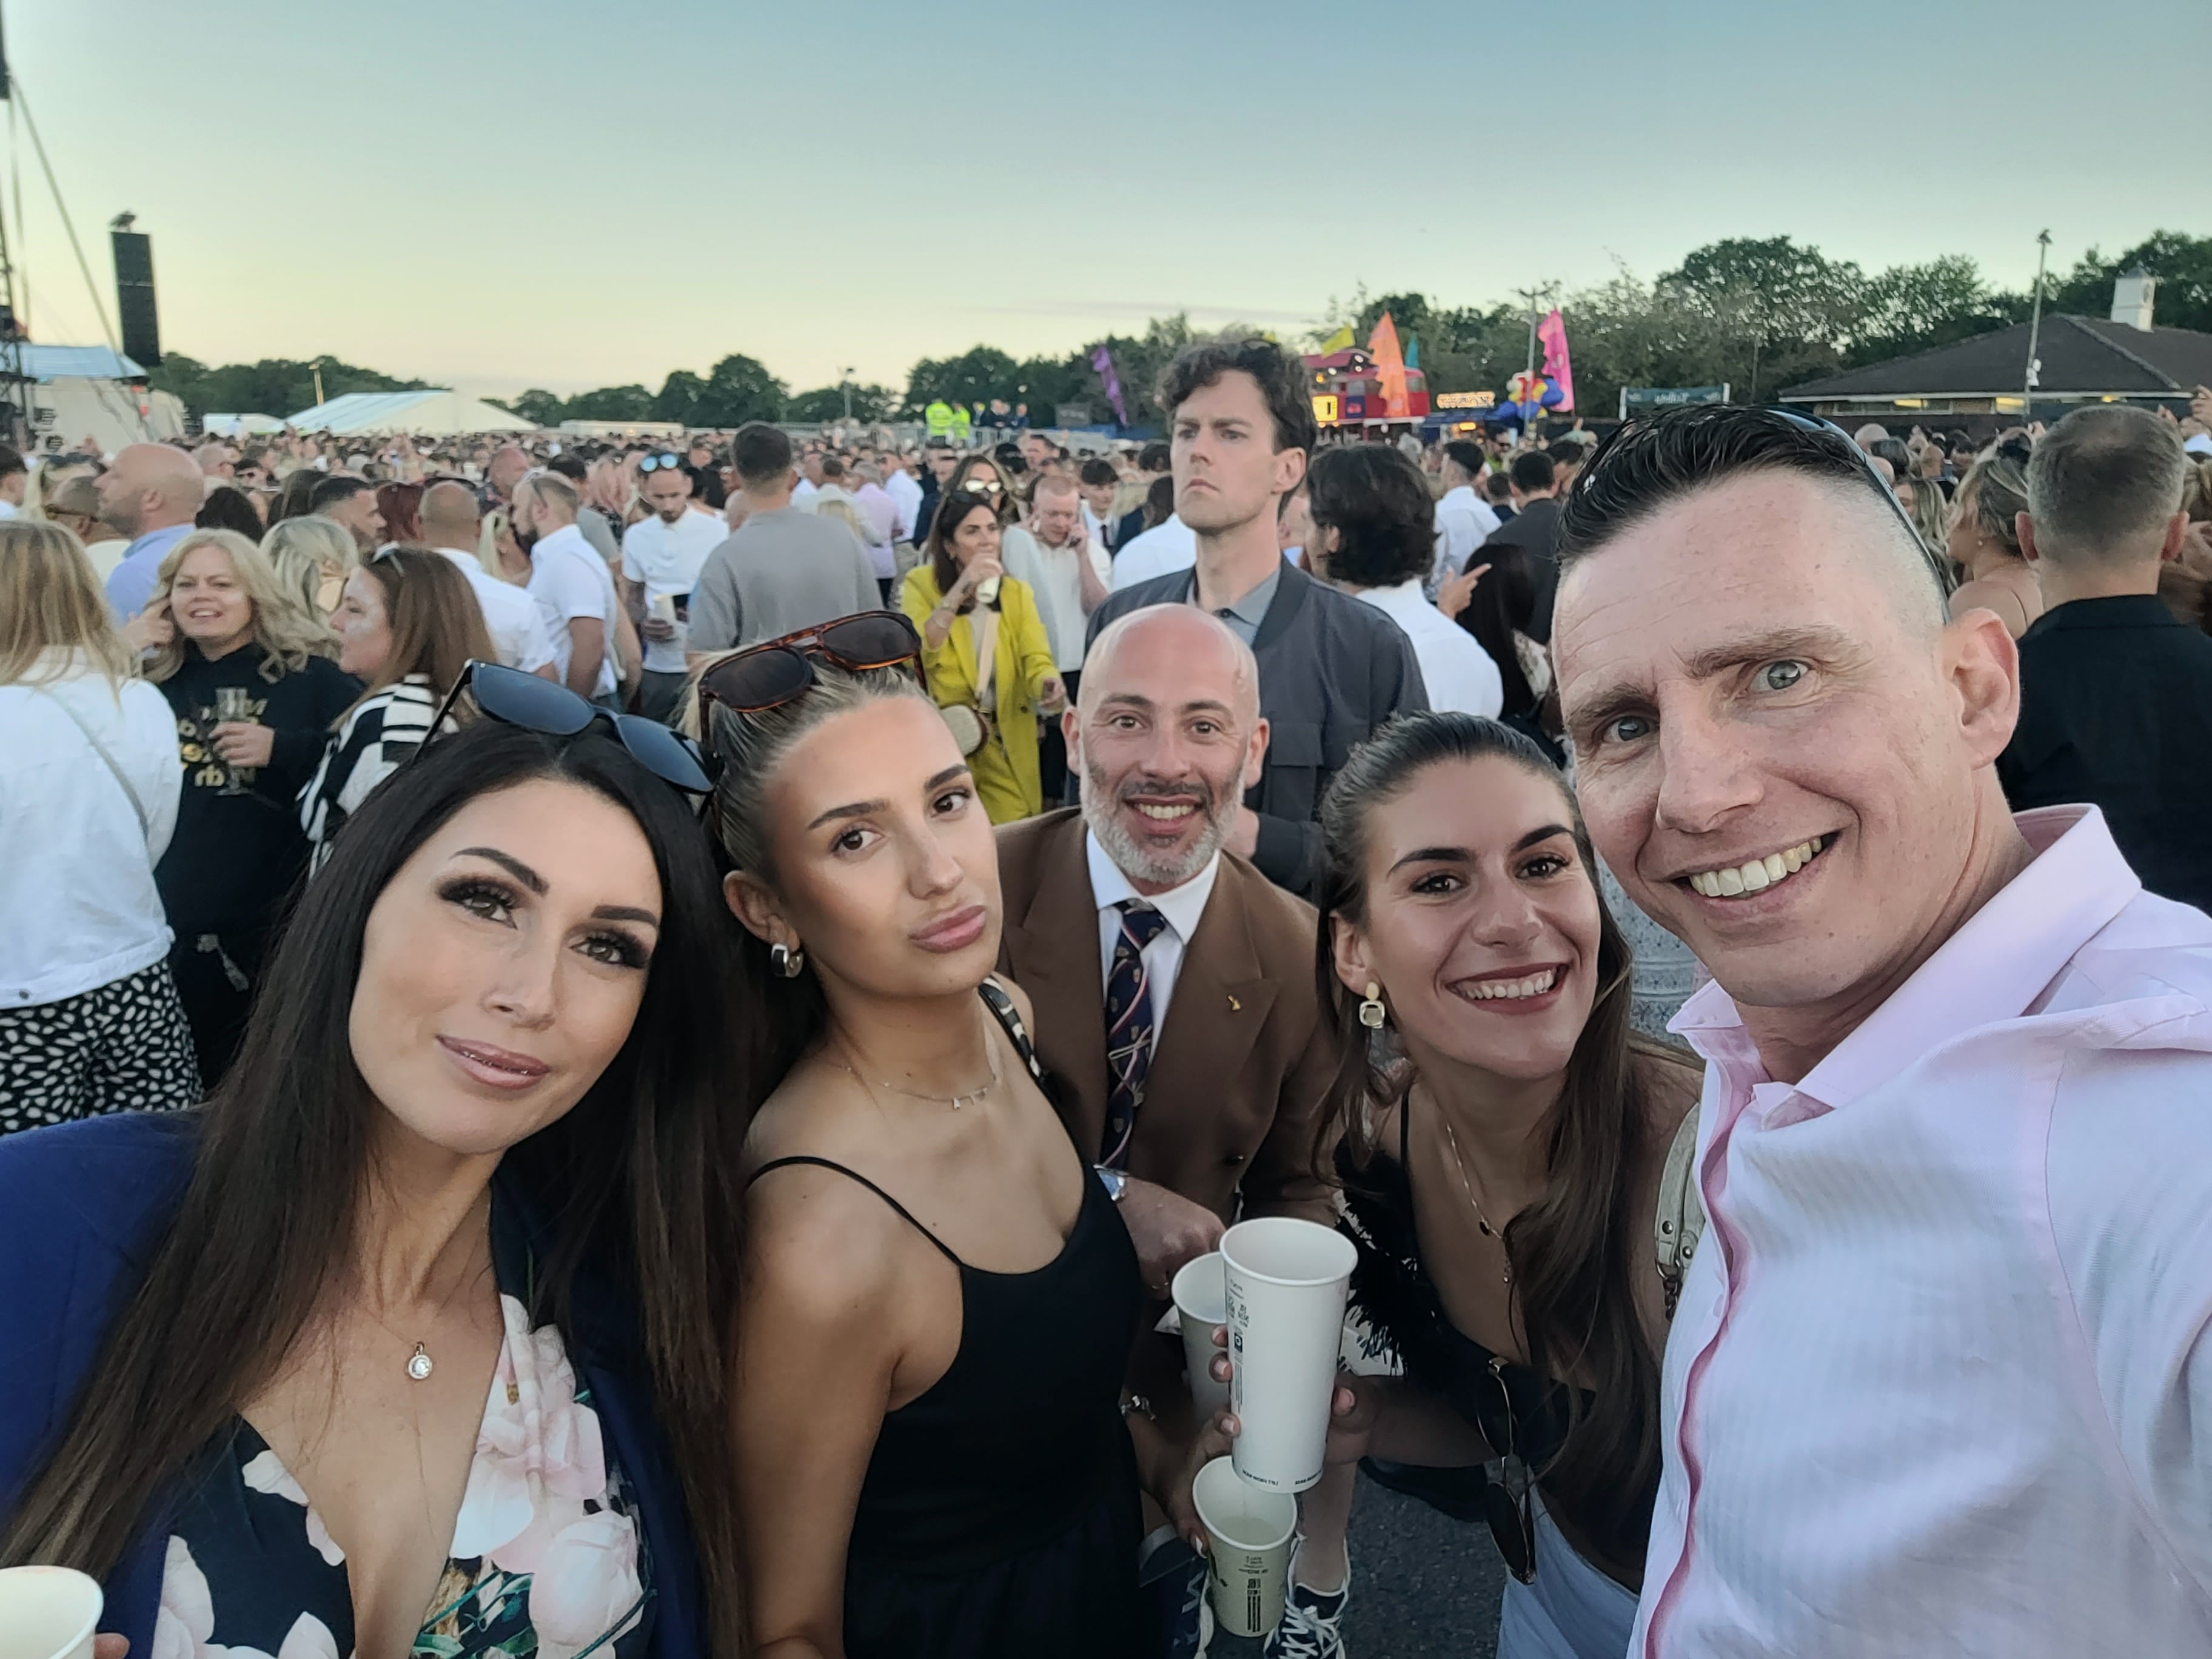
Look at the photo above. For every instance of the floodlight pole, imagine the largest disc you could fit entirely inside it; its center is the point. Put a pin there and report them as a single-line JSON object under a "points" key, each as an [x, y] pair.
{"points": [[2034, 332]]}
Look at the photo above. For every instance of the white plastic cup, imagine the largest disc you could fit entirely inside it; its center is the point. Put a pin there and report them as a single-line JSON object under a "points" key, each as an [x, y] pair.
{"points": [[1249, 1533], [47, 1613], [1286, 1285], [1201, 1299]]}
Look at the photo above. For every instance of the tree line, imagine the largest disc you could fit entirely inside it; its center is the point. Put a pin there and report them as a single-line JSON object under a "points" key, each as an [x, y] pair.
{"points": [[1758, 313]]}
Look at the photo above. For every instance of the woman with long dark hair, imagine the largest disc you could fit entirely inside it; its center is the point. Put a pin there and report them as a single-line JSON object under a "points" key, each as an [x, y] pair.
{"points": [[408, 1341], [938, 1296], [1501, 1136]]}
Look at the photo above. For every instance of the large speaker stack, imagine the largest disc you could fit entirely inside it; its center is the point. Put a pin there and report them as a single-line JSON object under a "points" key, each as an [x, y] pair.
{"points": [[134, 297]]}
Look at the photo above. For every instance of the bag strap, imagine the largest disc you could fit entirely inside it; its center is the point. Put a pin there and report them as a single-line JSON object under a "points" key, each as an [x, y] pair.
{"points": [[1681, 1222], [145, 824]]}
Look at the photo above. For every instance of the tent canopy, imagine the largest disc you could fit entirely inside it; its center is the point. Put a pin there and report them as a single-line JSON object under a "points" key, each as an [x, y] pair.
{"points": [[431, 413], [50, 363], [237, 426]]}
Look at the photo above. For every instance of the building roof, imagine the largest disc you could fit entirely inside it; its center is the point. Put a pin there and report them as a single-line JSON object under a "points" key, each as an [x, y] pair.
{"points": [[430, 412], [2083, 357], [48, 362]]}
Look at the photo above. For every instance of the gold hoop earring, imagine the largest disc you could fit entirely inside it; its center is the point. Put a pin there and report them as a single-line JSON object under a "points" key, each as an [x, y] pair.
{"points": [[1371, 1011], [787, 961]]}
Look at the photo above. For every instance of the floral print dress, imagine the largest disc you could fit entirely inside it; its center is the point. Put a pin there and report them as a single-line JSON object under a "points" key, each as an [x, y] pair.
{"points": [[546, 1561]]}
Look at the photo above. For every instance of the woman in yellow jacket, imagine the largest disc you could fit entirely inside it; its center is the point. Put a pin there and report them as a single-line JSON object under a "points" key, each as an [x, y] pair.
{"points": [[958, 595]]}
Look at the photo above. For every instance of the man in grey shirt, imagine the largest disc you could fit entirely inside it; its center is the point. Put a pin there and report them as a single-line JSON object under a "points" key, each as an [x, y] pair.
{"points": [[784, 569], [1332, 667]]}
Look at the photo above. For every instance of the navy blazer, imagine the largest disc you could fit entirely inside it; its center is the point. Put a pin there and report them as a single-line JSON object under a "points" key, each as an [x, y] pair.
{"points": [[82, 1206]]}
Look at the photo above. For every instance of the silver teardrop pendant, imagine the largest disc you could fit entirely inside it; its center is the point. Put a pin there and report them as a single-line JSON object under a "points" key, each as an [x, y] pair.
{"points": [[419, 1363]]}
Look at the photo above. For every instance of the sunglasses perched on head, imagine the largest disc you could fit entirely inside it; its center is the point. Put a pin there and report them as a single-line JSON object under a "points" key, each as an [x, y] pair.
{"points": [[538, 704], [658, 463], [777, 672]]}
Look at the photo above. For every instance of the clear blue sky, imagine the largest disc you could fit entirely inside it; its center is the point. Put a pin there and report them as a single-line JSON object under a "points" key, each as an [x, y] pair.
{"points": [[499, 195]]}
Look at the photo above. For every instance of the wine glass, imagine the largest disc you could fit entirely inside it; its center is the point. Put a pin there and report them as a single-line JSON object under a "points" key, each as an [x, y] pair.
{"points": [[232, 703]]}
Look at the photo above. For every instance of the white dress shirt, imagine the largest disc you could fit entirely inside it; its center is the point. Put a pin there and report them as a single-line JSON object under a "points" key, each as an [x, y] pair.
{"points": [[906, 496], [76, 869], [512, 617], [1167, 547], [1464, 522], [666, 559], [803, 494], [1457, 671], [1181, 905], [570, 580], [1941, 1380]]}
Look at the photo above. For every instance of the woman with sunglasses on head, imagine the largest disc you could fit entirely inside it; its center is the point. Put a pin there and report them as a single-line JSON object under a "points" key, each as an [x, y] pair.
{"points": [[1984, 543], [1505, 1143], [938, 1296], [408, 625], [985, 651], [248, 673], [409, 1341]]}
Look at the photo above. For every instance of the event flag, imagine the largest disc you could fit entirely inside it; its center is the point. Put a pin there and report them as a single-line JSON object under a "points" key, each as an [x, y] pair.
{"points": [[1390, 369], [1413, 351], [1102, 360], [1339, 341], [1553, 331]]}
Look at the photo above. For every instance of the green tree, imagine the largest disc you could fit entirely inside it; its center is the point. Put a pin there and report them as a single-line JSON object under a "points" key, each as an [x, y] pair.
{"points": [[739, 389], [273, 386], [678, 397], [1915, 307], [976, 375], [1790, 310], [610, 402], [538, 406], [869, 403]]}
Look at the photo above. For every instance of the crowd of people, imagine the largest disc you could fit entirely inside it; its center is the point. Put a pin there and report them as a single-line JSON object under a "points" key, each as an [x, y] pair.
{"points": [[613, 1047]]}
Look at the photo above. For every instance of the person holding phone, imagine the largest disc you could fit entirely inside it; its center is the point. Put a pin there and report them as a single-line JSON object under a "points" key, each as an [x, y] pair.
{"points": [[985, 651]]}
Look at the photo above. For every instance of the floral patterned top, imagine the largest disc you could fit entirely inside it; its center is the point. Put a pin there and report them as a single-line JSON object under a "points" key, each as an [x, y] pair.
{"points": [[546, 1560]]}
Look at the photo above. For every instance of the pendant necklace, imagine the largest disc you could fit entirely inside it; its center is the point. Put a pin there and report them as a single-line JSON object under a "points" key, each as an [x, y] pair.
{"points": [[954, 1101], [1481, 1221]]}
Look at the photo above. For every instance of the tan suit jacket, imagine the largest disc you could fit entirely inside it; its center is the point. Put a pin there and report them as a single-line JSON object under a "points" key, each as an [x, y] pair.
{"points": [[1243, 1058]]}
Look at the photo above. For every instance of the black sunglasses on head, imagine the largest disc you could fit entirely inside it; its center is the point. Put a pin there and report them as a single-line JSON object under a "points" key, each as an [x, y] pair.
{"points": [[657, 464], [538, 704]]}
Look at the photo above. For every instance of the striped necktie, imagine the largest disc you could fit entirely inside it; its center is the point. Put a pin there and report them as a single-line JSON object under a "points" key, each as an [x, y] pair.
{"points": [[1129, 1026]]}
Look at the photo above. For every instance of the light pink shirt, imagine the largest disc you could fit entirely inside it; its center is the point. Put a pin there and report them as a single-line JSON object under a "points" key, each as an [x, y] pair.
{"points": [[1940, 1382]]}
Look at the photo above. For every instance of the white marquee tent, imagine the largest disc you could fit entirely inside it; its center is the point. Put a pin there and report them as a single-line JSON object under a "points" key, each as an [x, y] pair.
{"points": [[431, 414]]}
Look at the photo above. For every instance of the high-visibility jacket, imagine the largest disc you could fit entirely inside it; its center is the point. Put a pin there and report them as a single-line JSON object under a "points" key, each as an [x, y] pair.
{"points": [[938, 419]]}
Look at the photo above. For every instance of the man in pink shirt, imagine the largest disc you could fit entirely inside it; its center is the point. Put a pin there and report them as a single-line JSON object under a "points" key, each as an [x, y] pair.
{"points": [[1940, 1380]]}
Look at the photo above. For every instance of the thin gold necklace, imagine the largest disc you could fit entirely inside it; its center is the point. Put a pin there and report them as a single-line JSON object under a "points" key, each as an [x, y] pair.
{"points": [[1481, 1221], [955, 1101]]}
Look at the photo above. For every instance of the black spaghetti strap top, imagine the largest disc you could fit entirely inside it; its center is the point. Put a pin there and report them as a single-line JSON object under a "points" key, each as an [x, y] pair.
{"points": [[1000, 1513]]}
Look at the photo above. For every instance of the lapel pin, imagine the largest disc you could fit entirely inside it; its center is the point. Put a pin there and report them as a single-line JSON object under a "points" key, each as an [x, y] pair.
{"points": [[1234, 1006]]}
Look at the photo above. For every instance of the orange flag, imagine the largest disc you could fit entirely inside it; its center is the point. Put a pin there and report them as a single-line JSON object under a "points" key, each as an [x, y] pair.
{"points": [[1384, 349]]}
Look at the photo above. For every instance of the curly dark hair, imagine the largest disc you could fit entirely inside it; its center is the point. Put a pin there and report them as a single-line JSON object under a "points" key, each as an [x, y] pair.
{"points": [[1280, 376], [1378, 503]]}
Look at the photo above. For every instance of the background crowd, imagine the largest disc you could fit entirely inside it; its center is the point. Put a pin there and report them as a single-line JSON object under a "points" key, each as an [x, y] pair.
{"points": [[1213, 698]]}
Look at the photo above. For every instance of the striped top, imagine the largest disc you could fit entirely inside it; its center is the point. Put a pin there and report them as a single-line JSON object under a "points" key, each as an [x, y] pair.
{"points": [[1940, 1380], [374, 740]]}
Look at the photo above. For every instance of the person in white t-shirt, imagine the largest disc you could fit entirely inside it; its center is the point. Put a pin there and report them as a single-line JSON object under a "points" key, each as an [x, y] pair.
{"points": [[1464, 520], [571, 582], [511, 616], [661, 558], [1168, 546], [1070, 575], [1374, 529]]}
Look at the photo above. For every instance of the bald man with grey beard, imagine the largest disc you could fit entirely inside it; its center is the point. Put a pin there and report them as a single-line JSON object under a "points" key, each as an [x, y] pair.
{"points": [[151, 494], [515, 620]]}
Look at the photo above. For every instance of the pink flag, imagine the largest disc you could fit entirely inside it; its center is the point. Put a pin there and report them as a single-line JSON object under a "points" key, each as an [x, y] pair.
{"points": [[1553, 331]]}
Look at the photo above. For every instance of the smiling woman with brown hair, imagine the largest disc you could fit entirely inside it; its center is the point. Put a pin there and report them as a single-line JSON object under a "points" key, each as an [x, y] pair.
{"points": [[1501, 1155]]}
